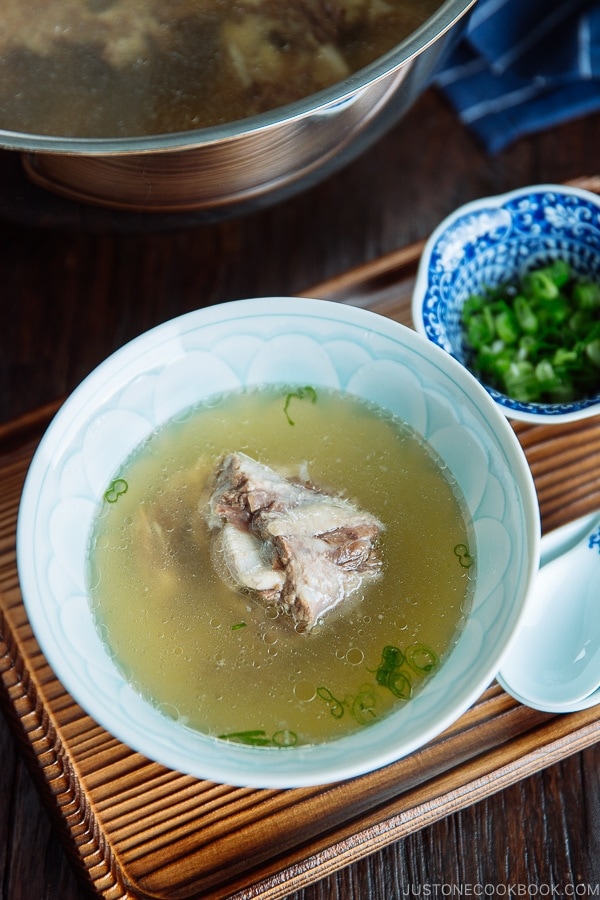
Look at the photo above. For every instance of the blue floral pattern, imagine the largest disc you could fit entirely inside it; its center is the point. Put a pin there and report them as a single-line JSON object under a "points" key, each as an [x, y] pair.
{"points": [[491, 241]]}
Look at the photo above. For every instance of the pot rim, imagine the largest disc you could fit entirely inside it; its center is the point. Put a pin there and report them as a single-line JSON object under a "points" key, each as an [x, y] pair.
{"points": [[322, 101]]}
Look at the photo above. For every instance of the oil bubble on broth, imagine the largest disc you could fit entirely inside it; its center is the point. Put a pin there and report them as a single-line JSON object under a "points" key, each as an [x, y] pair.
{"points": [[213, 656]]}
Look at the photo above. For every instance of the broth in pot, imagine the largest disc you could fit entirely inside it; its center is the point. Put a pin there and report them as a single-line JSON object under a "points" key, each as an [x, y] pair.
{"points": [[125, 68]]}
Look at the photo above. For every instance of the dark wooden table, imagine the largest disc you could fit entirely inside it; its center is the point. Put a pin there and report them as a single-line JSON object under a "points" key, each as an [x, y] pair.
{"points": [[76, 283]]}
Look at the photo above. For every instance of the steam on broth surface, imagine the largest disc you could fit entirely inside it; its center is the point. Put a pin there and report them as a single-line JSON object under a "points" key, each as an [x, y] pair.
{"points": [[122, 68], [224, 663]]}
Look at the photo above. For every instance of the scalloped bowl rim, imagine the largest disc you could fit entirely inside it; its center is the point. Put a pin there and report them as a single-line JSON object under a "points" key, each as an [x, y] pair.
{"points": [[57, 478], [548, 413]]}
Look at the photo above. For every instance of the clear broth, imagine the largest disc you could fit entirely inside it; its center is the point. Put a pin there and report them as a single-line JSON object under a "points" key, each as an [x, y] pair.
{"points": [[219, 661]]}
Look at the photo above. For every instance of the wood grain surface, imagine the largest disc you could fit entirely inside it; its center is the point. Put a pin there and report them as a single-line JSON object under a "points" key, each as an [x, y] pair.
{"points": [[76, 285]]}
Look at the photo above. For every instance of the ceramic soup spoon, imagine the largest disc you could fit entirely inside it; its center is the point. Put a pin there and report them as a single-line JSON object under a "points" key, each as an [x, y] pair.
{"points": [[554, 662]]}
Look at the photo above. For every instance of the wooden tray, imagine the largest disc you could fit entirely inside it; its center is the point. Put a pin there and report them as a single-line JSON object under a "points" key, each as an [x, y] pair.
{"points": [[138, 830]]}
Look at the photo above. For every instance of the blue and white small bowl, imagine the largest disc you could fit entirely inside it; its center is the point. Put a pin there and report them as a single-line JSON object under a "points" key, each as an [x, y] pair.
{"points": [[490, 241]]}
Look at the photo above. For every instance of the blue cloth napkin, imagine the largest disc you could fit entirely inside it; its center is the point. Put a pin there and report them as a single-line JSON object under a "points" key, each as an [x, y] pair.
{"points": [[524, 65]]}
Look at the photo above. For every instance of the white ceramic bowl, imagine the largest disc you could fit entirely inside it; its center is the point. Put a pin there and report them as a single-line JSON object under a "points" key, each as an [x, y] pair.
{"points": [[493, 240], [255, 342]]}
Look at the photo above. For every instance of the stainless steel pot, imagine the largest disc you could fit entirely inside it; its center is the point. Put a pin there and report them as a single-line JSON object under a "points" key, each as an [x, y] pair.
{"points": [[252, 162]]}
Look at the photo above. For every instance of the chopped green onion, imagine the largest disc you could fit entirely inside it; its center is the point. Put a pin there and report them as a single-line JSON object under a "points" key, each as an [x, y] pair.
{"points": [[540, 285], [507, 326], [480, 330], [536, 339], [392, 656], [593, 352], [336, 707], [399, 685], [394, 670], [116, 489], [563, 356], [526, 317], [364, 707], [464, 556], [300, 394], [545, 283], [260, 738], [520, 381], [587, 294], [422, 659], [253, 738], [544, 372]]}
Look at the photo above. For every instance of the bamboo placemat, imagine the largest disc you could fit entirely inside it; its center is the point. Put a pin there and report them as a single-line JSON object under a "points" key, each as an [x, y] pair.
{"points": [[137, 830]]}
